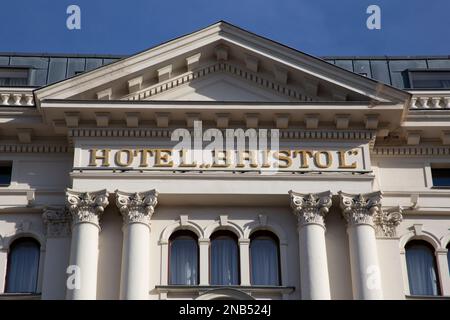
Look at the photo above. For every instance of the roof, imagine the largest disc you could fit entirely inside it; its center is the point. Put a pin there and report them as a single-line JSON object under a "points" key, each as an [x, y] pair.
{"points": [[50, 68]]}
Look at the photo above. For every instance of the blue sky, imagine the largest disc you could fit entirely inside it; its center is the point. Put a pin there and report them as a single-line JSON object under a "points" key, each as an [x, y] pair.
{"points": [[318, 27]]}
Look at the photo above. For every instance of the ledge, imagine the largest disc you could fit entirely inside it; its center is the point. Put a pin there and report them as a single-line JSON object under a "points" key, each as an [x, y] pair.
{"points": [[20, 296], [410, 297], [203, 289]]}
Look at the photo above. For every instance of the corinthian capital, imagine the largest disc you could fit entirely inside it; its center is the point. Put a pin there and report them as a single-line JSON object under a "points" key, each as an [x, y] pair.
{"points": [[387, 221], [311, 207], [86, 206], [137, 207], [57, 220], [360, 208]]}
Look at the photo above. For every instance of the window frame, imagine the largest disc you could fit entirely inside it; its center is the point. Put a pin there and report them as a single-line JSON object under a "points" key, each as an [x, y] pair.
{"points": [[8, 264], [173, 236], [235, 238], [435, 265], [273, 236], [28, 69], [10, 165], [438, 166], [410, 76]]}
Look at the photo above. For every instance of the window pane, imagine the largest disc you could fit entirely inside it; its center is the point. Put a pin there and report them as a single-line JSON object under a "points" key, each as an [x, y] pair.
{"points": [[441, 177], [224, 261], [264, 261], [430, 79], [13, 77], [5, 174], [184, 261], [448, 257], [421, 270], [23, 265]]}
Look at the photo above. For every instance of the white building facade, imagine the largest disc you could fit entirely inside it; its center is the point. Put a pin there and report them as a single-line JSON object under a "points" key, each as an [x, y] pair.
{"points": [[118, 183]]}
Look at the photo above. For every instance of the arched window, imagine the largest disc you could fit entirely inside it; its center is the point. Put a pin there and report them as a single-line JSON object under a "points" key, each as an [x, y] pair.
{"points": [[264, 259], [183, 256], [421, 264], [224, 258], [23, 266], [448, 256]]}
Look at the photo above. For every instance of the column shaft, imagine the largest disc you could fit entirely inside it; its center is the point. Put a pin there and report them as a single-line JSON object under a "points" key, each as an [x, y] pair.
{"points": [[85, 208], [314, 277], [134, 280], [204, 261], [360, 211], [84, 255], [364, 263], [311, 210], [137, 210], [244, 249]]}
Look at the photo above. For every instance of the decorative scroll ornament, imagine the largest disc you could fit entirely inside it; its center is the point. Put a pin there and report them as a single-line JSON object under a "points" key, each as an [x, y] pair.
{"points": [[137, 207], [360, 208], [387, 221], [57, 221], [311, 208], [86, 206]]}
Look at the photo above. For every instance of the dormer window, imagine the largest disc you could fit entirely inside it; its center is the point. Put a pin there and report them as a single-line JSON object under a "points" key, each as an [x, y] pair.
{"points": [[14, 77], [429, 79]]}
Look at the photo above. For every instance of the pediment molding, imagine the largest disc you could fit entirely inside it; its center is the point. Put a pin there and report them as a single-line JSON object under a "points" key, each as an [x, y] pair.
{"points": [[220, 67], [282, 62]]}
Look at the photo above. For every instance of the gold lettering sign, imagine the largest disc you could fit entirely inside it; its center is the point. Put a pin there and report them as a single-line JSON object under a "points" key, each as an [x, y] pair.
{"points": [[284, 160]]}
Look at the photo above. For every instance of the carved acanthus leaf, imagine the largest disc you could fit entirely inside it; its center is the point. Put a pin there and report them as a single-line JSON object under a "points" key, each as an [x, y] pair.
{"points": [[312, 207], [57, 220], [137, 207], [86, 206], [387, 221], [360, 208]]}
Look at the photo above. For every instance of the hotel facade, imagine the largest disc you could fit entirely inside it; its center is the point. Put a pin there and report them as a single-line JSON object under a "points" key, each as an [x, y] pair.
{"points": [[224, 165]]}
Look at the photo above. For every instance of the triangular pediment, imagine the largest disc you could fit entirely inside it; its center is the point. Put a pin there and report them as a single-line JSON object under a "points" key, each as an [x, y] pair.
{"points": [[221, 63]]}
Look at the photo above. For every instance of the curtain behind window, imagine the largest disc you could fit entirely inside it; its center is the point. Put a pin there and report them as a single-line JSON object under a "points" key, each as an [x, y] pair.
{"points": [[421, 270], [23, 266], [264, 261], [448, 257], [184, 261], [224, 261]]}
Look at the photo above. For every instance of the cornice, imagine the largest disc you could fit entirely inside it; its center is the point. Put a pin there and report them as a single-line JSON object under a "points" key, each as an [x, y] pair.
{"points": [[411, 151], [33, 148], [318, 134]]}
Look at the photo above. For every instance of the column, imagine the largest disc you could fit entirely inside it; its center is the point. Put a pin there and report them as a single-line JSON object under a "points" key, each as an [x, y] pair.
{"points": [[244, 252], [310, 210], [204, 261], [359, 211], [137, 210], [85, 209], [57, 221], [443, 271]]}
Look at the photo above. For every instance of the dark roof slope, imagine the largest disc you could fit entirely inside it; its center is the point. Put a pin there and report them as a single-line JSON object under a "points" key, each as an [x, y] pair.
{"points": [[49, 68]]}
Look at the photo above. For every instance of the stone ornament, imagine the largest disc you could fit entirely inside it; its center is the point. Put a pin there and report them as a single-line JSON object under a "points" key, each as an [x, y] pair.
{"points": [[137, 207], [311, 208], [86, 206], [387, 221], [360, 208], [57, 221]]}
